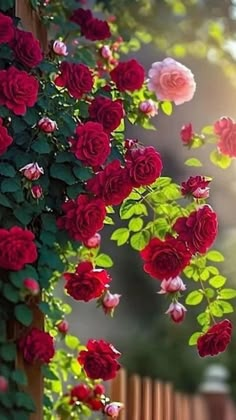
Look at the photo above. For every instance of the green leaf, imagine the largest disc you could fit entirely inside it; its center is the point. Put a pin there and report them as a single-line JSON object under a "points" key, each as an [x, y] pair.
{"points": [[167, 107], [194, 298], [75, 367], [208, 129], [10, 293], [10, 185], [227, 294], [23, 314], [193, 162], [203, 318], [135, 224], [104, 260], [222, 161], [74, 190], [215, 256], [19, 377], [120, 235], [63, 172], [217, 281], [24, 214], [127, 210], [48, 373], [25, 401], [216, 309], [41, 145], [72, 342], [8, 352], [139, 240], [4, 201], [6, 5], [226, 307], [193, 339], [7, 170]]}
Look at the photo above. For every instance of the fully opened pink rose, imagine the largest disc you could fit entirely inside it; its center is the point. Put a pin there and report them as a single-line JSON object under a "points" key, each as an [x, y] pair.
{"points": [[171, 81]]}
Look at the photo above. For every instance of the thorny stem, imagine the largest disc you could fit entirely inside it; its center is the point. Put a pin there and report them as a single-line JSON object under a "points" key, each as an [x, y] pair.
{"points": [[208, 301]]}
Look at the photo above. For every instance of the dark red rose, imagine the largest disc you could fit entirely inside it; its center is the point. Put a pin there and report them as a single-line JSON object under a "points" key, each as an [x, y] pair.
{"points": [[37, 346], [5, 138], [86, 283], [27, 49], [79, 392], [95, 404], [216, 339], [83, 217], [144, 165], [77, 78], [187, 133], [128, 75], [112, 184], [91, 144], [17, 248], [222, 125], [196, 186], [107, 112], [165, 259], [81, 17], [99, 360], [227, 141], [6, 29], [18, 90], [92, 28], [198, 230]]}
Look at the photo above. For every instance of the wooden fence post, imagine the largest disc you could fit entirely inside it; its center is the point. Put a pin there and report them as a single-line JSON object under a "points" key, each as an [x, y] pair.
{"points": [[119, 390], [169, 402], [147, 399], [134, 398], [158, 398]]}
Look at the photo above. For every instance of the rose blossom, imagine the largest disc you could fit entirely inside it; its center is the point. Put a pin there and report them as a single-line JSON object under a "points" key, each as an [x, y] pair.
{"points": [[36, 191], [196, 186], [113, 409], [95, 404], [17, 248], [105, 51], [83, 217], [27, 49], [176, 311], [165, 259], [7, 30], [216, 339], [60, 48], [18, 90], [187, 134], [47, 125], [91, 28], [63, 326], [99, 360], [93, 242], [99, 389], [37, 346], [171, 81], [148, 107], [77, 78], [144, 165], [223, 125], [31, 286], [110, 302], [3, 384], [128, 75], [86, 283], [32, 171], [79, 392], [198, 230], [112, 185], [107, 112], [172, 285], [91, 144], [5, 138], [227, 142]]}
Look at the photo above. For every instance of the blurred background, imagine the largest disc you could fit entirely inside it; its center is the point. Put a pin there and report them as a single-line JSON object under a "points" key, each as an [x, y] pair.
{"points": [[201, 35]]}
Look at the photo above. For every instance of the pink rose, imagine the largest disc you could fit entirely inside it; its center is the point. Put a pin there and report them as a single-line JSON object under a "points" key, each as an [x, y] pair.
{"points": [[110, 302], [176, 311], [171, 81], [60, 48], [172, 285], [222, 125], [148, 108]]}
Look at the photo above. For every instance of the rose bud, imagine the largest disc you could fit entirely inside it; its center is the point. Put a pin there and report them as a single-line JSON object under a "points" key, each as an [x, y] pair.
{"points": [[94, 241], [187, 133], [36, 191], [31, 286], [95, 404], [47, 125], [129, 143], [63, 327], [113, 409], [105, 51], [172, 286], [60, 48], [32, 171], [148, 107], [3, 384], [110, 302], [176, 311], [79, 392], [99, 389]]}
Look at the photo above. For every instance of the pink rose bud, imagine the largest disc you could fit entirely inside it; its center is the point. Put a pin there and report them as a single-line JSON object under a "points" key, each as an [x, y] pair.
{"points": [[32, 171], [99, 389], [196, 186], [3, 384], [60, 48], [176, 311], [63, 327], [113, 409], [224, 123], [110, 302], [187, 133], [105, 51], [47, 125], [94, 241], [148, 107], [37, 191], [172, 286], [31, 286], [201, 192], [129, 143]]}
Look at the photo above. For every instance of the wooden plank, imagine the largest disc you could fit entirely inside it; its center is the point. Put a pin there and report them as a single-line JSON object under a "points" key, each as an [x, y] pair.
{"points": [[146, 399], [134, 398], [187, 412], [178, 406], [158, 401], [31, 21], [199, 408], [169, 402], [119, 390]]}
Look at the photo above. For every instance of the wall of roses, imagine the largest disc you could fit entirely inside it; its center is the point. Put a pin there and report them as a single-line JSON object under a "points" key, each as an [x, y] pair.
{"points": [[66, 168]]}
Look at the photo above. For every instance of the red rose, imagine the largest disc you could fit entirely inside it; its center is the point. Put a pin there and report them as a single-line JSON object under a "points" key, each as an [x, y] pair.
{"points": [[196, 186], [222, 125], [79, 392], [128, 75], [18, 90], [198, 230], [77, 78], [83, 217], [99, 360], [90, 27], [27, 49], [165, 259], [215, 340], [144, 165], [6, 29], [81, 17], [112, 184], [5, 139], [37, 346], [227, 141], [91, 144], [107, 112], [86, 283], [95, 404], [187, 133], [16, 248]]}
